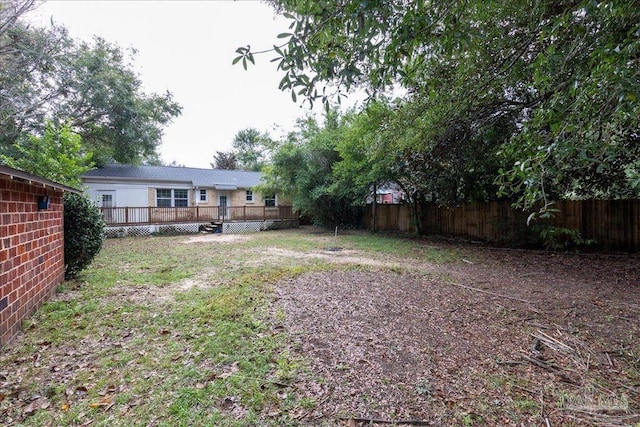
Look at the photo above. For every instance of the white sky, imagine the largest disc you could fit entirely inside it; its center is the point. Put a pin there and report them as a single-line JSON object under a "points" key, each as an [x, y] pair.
{"points": [[187, 47]]}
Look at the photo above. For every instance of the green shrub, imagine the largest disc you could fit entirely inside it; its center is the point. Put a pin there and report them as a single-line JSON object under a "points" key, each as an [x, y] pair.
{"points": [[83, 233], [560, 238]]}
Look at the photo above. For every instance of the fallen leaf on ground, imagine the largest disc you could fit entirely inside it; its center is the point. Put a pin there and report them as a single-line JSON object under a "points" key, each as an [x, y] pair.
{"points": [[101, 403]]}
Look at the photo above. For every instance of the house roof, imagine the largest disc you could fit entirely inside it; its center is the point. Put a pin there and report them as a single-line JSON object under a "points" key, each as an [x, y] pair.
{"points": [[34, 179], [221, 179]]}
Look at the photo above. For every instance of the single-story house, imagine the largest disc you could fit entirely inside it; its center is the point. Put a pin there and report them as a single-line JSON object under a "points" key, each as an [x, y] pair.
{"points": [[150, 195], [118, 185], [31, 245]]}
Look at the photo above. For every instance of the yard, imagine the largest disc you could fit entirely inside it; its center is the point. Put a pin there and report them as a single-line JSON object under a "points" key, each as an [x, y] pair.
{"points": [[299, 327]]}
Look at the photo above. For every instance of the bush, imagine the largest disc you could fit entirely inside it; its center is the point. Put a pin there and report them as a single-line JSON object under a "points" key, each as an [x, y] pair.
{"points": [[560, 238], [83, 233]]}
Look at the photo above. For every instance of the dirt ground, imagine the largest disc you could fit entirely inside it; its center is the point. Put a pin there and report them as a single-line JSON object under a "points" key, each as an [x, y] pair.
{"points": [[494, 337], [503, 337]]}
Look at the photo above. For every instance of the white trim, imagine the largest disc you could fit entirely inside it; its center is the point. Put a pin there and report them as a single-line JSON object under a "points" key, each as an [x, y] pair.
{"points": [[199, 196], [100, 197], [173, 197], [275, 199]]}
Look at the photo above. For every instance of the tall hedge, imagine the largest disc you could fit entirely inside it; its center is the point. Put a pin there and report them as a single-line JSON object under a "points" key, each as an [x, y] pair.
{"points": [[83, 233]]}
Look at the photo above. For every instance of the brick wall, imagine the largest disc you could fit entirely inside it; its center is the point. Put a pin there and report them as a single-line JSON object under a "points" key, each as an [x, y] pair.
{"points": [[31, 251]]}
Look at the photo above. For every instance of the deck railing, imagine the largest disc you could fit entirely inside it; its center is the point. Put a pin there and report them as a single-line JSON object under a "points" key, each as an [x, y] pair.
{"points": [[152, 215]]}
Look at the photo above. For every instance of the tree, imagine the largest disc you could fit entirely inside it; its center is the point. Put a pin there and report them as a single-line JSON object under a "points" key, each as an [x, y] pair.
{"points": [[302, 170], [225, 160], [26, 56], [10, 12], [46, 75], [57, 155], [173, 164], [550, 88], [107, 105], [251, 149], [362, 163]]}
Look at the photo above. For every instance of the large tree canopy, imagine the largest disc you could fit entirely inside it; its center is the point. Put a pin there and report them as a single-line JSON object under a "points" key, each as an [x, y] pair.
{"points": [[302, 170], [224, 160], [56, 155], [548, 90], [46, 75], [252, 148], [251, 151]]}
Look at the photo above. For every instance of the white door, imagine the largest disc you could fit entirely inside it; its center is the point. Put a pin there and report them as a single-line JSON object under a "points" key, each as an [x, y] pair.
{"points": [[107, 201]]}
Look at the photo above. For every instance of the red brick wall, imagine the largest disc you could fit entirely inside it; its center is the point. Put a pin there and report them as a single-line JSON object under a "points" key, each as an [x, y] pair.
{"points": [[31, 251]]}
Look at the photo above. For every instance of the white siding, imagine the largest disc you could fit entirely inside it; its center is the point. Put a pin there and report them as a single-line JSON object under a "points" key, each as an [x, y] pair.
{"points": [[124, 194], [131, 194]]}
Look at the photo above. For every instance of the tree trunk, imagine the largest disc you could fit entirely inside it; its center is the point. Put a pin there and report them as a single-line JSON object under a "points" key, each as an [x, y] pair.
{"points": [[417, 218], [375, 207]]}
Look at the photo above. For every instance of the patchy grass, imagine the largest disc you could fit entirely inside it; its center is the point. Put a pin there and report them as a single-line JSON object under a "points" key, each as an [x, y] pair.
{"points": [[162, 332], [178, 331], [391, 245], [144, 352]]}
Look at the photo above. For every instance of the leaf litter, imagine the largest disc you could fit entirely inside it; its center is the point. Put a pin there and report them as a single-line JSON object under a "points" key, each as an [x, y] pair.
{"points": [[500, 337], [454, 347]]}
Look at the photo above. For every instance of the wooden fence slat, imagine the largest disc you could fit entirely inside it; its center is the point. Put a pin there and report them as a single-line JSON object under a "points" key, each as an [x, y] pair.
{"points": [[613, 224]]}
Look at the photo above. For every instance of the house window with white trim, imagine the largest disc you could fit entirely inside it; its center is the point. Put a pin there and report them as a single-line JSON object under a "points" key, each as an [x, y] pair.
{"points": [[180, 198], [270, 200], [163, 198], [168, 198], [249, 196], [202, 195]]}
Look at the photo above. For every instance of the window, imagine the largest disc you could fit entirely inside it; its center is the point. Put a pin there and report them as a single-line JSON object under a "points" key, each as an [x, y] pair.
{"points": [[270, 200], [181, 198], [163, 198], [249, 196], [203, 195], [167, 198]]}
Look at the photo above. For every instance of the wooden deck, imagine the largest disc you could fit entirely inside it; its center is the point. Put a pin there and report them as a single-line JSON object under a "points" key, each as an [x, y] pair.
{"points": [[127, 216]]}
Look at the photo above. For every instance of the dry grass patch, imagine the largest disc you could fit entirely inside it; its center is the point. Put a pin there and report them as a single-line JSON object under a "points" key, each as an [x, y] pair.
{"points": [[272, 329]]}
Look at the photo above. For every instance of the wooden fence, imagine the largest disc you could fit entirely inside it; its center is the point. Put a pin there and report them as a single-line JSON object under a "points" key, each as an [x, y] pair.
{"points": [[152, 215], [612, 224]]}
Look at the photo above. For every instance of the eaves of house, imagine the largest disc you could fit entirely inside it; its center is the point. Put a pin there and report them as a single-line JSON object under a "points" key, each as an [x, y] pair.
{"points": [[35, 180]]}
